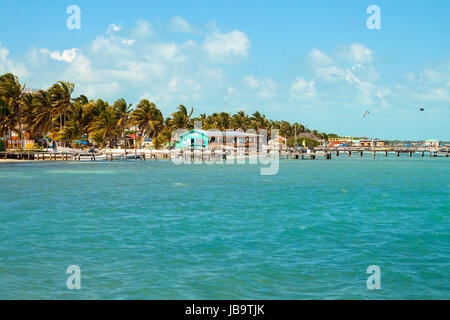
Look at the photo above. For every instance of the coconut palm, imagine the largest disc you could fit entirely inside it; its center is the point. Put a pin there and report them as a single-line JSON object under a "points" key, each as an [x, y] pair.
{"points": [[240, 121], [105, 125], [44, 113], [123, 114], [61, 98], [180, 118], [8, 119], [13, 91], [70, 132], [148, 119]]}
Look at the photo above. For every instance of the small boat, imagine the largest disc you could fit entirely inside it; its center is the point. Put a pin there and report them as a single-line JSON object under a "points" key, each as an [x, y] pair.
{"points": [[441, 154], [133, 156], [101, 157]]}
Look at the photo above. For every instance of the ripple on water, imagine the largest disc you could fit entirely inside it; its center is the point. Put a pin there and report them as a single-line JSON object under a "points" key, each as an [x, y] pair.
{"points": [[153, 230]]}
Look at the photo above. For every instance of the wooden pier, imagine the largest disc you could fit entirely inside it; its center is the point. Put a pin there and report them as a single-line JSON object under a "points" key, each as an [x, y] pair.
{"points": [[205, 155], [76, 156], [354, 151]]}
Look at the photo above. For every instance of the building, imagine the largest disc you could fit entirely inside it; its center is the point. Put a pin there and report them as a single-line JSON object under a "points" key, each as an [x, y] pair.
{"points": [[431, 143], [345, 141], [201, 139], [355, 142], [13, 141], [277, 143], [371, 143], [30, 90], [148, 143]]}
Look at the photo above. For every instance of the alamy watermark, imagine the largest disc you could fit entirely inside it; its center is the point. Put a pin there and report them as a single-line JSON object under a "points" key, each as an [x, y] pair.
{"points": [[374, 280], [374, 20], [74, 280], [229, 147], [74, 20]]}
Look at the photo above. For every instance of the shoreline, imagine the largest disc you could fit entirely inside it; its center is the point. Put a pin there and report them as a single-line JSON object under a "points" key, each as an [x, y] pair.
{"points": [[14, 160]]}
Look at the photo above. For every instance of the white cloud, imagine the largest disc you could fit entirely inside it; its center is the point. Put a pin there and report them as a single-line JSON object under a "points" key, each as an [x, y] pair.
{"points": [[329, 74], [251, 82], [37, 56], [165, 51], [317, 57], [81, 70], [114, 28], [359, 53], [225, 45], [128, 42], [66, 56], [265, 88], [433, 75], [143, 29], [11, 65], [108, 47], [181, 25], [303, 89]]}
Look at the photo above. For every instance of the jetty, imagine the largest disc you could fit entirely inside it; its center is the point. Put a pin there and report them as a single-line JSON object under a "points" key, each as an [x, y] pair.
{"points": [[396, 151], [204, 155]]}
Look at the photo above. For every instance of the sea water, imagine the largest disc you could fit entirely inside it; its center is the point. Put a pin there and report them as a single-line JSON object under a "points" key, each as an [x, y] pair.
{"points": [[155, 230]]}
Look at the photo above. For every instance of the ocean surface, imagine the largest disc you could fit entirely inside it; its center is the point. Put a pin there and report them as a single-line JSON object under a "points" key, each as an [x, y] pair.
{"points": [[155, 230]]}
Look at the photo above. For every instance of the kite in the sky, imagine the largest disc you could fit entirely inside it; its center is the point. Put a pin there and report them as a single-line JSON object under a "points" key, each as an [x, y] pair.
{"points": [[421, 109], [366, 113]]}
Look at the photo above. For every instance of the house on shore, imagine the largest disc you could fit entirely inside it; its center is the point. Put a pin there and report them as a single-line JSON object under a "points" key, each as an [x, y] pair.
{"points": [[372, 143], [277, 143], [213, 139], [431, 143]]}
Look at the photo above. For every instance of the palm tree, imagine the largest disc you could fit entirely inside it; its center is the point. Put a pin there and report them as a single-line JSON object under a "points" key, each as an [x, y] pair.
{"points": [[71, 131], [240, 121], [61, 98], [98, 139], [180, 118], [13, 91], [43, 114], [105, 125], [123, 114], [28, 112], [259, 121], [8, 119], [148, 118]]}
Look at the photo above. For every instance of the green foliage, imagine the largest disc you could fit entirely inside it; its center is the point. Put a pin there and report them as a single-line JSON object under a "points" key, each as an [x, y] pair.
{"points": [[55, 113], [308, 142]]}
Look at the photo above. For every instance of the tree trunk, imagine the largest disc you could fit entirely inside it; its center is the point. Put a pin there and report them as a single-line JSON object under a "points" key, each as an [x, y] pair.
{"points": [[20, 126], [125, 142]]}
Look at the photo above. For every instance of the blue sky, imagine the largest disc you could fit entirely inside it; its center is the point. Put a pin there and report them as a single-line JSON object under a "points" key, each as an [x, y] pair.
{"points": [[314, 62]]}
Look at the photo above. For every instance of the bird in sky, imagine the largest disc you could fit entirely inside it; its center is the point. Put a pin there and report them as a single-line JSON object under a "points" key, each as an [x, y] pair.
{"points": [[366, 113]]}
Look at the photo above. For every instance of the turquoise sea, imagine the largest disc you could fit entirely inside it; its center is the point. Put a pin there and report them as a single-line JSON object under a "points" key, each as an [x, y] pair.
{"points": [[154, 230]]}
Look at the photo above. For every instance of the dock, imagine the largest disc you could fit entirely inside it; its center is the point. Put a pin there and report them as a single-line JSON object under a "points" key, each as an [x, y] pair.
{"points": [[204, 155], [355, 151]]}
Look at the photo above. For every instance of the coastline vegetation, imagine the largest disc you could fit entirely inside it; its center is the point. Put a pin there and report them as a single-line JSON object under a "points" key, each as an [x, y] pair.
{"points": [[56, 114]]}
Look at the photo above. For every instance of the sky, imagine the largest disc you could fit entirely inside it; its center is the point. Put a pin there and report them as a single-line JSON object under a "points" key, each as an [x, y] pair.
{"points": [[313, 62]]}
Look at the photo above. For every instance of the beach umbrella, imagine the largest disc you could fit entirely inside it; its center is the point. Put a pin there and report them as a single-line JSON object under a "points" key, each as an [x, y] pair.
{"points": [[80, 142]]}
